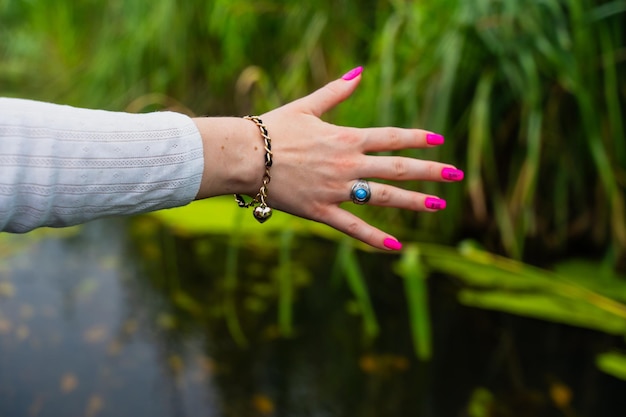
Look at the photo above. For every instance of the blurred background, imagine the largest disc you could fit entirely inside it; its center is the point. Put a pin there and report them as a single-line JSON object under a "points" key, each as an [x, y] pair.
{"points": [[511, 302]]}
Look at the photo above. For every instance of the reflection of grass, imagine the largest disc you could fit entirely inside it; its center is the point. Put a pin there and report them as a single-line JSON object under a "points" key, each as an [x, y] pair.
{"points": [[11, 244], [221, 216]]}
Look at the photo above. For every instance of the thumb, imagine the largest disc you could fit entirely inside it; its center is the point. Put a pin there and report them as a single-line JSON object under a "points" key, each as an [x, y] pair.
{"points": [[333, 93]]}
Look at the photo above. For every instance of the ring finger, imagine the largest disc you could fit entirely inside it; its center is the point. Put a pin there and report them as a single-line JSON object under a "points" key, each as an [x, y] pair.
{"points": [[390, 196]]}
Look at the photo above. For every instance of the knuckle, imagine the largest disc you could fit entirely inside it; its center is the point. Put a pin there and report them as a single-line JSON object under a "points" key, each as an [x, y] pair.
{"points": [[393, 138], [345, 165], [384, 196], [433, 171], [350, 137], [353, 228], [417, 203], [400, 168]]}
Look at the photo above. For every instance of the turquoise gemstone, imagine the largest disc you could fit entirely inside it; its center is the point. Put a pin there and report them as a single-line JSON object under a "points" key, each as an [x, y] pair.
{"points": [[360, 193]]}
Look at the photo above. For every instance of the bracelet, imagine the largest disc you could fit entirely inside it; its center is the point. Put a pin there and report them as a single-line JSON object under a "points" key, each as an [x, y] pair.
{"points": [[262, 211]]}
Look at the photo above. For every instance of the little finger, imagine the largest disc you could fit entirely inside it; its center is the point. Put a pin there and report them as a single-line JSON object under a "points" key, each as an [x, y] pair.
{"points": [[357, 228]]}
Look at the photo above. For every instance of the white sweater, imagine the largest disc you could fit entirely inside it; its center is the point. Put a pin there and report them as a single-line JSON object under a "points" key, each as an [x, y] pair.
{"points": [[61, 165]]}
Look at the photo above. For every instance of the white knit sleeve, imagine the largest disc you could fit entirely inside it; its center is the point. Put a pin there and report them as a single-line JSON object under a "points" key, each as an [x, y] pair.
{"points": [[61, 165]]}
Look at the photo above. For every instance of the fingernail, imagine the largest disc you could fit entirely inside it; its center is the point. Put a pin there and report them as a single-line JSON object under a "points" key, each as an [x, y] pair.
{"points": [[352, 74], [452, 174], [435, 203], [434, 139], [392, 244]]}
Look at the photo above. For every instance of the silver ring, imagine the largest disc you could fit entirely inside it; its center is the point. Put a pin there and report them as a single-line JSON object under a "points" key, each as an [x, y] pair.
{"points": [[360, 193]]}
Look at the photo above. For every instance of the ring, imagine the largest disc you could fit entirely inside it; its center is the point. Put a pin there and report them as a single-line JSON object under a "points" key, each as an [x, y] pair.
{"points": [[360, 193]]}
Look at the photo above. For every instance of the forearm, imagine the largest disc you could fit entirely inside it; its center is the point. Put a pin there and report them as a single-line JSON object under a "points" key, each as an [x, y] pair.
{"points": [[233, 154], [61, 165]]}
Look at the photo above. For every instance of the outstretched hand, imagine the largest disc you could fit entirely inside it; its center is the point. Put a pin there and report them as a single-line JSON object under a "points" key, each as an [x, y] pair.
{"points": [[315, 164]]}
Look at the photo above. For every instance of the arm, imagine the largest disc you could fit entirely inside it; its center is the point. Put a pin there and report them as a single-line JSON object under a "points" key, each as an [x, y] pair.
{"points": [[60, 165]]}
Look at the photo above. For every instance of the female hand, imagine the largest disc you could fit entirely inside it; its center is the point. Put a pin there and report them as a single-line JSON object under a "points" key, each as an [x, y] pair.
{"points": [[315, 164]]}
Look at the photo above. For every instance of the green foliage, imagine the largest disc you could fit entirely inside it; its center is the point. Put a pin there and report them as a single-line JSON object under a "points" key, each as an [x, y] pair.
{"points": [[413, 271], [577, 293], [528, 94], [613, 363], [579, 299]]}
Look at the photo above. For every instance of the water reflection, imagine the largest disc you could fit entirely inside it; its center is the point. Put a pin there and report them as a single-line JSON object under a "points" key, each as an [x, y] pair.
{"points": [[95, 324], [120, 318], [73, 342]]}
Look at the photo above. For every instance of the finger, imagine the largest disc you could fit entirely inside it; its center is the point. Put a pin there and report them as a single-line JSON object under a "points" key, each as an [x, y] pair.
{"points": [[381, 139], [355, 227], [389, 196], [401, 168], [333, 93]]}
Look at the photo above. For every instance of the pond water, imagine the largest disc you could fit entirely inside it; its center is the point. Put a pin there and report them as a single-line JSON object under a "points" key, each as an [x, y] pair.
{"points": [[120, 318]]}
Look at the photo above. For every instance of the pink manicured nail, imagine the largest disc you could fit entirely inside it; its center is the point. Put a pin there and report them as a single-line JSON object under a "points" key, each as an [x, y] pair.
{"points": [[352, 74], [435, 203], [434, 139], [452, 174], [392, 244]]}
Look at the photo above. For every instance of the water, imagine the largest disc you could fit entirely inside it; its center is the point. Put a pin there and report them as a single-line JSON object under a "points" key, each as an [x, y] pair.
{"points": [[119, 318], [73, 343]]}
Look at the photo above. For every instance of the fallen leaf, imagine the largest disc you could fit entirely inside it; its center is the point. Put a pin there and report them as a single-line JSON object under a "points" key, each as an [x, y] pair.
{"points": [[263, 404], [204, 369], [130, 327], [383, 363], [110, 263], [26, 311], [368, 364], [206, 364], [22, 332], [94, 406], [36, 406], [5, 326], [166, 321], [68, 383], [114, 348], [561, 394], [7, 289], [176, 363], [86, 287], [95, 334]]}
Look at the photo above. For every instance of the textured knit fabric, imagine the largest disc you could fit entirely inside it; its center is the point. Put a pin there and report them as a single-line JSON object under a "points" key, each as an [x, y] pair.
{"points": [[61, 165]]}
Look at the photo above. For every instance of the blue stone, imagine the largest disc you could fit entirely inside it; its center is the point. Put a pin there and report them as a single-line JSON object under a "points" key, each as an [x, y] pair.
{"points": [[360, 193]]}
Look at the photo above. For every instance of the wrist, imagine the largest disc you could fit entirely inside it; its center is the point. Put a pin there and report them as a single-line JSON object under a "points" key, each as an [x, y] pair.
{"points": [[233, 156]]}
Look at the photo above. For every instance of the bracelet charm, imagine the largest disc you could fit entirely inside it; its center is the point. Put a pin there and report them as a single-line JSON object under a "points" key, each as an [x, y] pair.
{"points": [[262, 212]]}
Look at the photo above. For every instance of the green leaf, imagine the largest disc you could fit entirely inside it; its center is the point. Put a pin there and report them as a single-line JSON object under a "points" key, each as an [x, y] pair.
{"points": [[612, 363]]}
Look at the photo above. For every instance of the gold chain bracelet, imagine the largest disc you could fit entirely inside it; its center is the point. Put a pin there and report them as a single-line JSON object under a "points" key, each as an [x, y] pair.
{"points": [[262, 211]]}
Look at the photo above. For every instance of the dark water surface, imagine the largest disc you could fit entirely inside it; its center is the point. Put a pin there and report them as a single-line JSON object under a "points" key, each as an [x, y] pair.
{"points": [[72, 343], [100, 322]]}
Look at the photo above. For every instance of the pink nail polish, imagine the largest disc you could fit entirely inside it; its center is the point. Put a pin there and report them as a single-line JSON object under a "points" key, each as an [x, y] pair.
{"points": [[452, 174], [435, 203], [434, 139], [392, 244], [352, 74]]}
